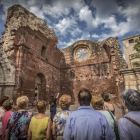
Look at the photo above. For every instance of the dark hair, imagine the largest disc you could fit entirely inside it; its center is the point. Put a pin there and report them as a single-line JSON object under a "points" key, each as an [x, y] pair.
{"points": [[132, 99], [2, 99], [84, 97], [105, 96], [8, 104]]}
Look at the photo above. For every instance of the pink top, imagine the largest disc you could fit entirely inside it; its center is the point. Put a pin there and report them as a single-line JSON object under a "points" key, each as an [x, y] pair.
{"points": [[5, 120]]}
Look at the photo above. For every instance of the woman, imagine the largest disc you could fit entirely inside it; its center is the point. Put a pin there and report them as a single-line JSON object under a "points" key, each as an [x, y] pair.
{"points": [[2, 111], [60, 118], [107, 105], [40, 125], [53, 105], [8, 105], [19, 120], [129, 126], [98, 104]]}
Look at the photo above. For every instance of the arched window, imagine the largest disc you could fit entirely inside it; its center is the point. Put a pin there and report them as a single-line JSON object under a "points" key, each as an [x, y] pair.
{"points": [[43, 51]]}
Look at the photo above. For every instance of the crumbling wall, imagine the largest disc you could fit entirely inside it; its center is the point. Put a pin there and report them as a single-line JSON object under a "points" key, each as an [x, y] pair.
{"points": [[99, 72], [7, 77], [31, 49]]}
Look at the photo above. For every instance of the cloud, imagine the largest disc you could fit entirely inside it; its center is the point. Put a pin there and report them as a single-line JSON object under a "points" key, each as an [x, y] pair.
{"points": [[55, 12], [95, 36], [37, 11], [84, 36], [105, 9], [67, 25], [72, 19], [86, 15]]}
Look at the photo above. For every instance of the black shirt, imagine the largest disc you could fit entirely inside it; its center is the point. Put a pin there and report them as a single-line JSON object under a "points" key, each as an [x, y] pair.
{"points": [[53, 104]]}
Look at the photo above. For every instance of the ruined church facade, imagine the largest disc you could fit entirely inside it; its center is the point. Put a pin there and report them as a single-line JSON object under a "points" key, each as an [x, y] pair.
{"points": [[30, 61]]}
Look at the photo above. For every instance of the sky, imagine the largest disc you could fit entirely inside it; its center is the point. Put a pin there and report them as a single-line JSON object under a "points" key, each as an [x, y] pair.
{"points": [[74, 20]]}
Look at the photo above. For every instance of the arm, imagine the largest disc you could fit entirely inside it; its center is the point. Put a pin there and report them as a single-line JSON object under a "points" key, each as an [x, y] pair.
{"points": [[54, 130], [67, 131], [57, 95], [48, 132], [49, 106], [109, 134], [122, 129], [29, 134]]}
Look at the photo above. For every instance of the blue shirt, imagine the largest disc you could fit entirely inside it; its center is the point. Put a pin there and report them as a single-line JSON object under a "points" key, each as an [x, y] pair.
{"points": [[87, 124], [128, 130]]}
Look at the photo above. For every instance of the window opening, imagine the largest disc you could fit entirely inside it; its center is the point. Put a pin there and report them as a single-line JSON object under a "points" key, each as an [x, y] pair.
{"points": [[131, 41], [43, 51], [82, 53]]}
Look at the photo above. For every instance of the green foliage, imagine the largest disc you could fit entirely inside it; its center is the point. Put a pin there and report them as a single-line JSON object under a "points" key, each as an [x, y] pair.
{"points": [[137, 47], [137, 64], [137, 55], [137, 40]]}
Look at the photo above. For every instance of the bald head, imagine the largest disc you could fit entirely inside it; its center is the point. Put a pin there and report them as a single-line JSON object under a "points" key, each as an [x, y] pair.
{"points": [[84, 97]]}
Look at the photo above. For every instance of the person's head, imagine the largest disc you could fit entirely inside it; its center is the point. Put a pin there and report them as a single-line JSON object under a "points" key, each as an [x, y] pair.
{"points": [[64, 101], [8, 104], [52, 97], [105, 96], [2, 99], [97, 102], [84, 97], [22, 102], [41, 106], [131, 99]]}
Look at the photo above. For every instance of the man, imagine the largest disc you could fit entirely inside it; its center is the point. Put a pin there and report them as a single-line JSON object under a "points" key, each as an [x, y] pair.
{"points": [[52, 106], [129, 125], [86, 123]]}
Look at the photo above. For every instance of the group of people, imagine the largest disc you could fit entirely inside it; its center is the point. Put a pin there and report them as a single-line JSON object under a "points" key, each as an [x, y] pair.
{"points": [[94, 120]]}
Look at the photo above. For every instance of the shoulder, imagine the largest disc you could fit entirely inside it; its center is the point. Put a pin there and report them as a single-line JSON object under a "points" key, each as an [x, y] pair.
{"points": [[122, 122], [47, 118], [14, 113], [30, 114]]}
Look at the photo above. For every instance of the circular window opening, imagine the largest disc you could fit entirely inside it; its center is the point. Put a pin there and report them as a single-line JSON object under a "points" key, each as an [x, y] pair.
{"points": [[81, 53]]}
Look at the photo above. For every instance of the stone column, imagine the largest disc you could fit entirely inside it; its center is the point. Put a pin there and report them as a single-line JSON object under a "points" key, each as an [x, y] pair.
{"points": [[129, 79], [137, 72]]}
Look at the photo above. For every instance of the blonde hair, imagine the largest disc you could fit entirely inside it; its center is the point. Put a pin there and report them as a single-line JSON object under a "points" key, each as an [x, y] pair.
{"points": [[22, 102], [97, 102], [65, 100], [41, 106]]}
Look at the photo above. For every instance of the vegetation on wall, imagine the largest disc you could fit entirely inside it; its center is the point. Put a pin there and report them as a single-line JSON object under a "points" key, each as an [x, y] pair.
{"points": [[137, 48]]}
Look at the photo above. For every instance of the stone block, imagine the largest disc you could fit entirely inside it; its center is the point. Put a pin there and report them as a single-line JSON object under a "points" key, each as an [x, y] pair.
{"points": [[132, 83], [133, 87]]}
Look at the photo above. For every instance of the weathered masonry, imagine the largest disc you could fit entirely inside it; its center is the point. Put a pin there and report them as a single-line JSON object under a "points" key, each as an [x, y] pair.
{"points": [[131, 75], [30, 61]]}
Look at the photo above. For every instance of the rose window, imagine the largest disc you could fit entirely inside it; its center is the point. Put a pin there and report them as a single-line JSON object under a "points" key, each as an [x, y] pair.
{"points": [[82, 53]]}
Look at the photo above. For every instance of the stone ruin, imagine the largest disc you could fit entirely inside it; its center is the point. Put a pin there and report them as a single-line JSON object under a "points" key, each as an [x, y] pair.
{"points": [[30, 61]]}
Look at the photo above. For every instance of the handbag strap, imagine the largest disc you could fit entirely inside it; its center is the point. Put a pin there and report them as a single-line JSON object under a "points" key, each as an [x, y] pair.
{"points": [[133, 121], [23, 112], [112, 117]]}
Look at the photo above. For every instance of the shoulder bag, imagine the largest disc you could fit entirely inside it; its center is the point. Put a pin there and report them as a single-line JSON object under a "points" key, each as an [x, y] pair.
{"points": [[133, 121], [115, 127]]}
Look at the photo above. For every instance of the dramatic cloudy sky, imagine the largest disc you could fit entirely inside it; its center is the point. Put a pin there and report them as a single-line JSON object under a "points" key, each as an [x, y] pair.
{"points": [[74, 20]]}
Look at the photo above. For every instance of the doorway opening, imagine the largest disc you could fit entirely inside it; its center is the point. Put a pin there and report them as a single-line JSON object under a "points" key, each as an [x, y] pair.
{"points": [[40, 87]]}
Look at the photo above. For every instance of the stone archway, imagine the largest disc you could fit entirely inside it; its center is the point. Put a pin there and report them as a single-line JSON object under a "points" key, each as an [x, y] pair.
{"points": [[40, 87]]}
